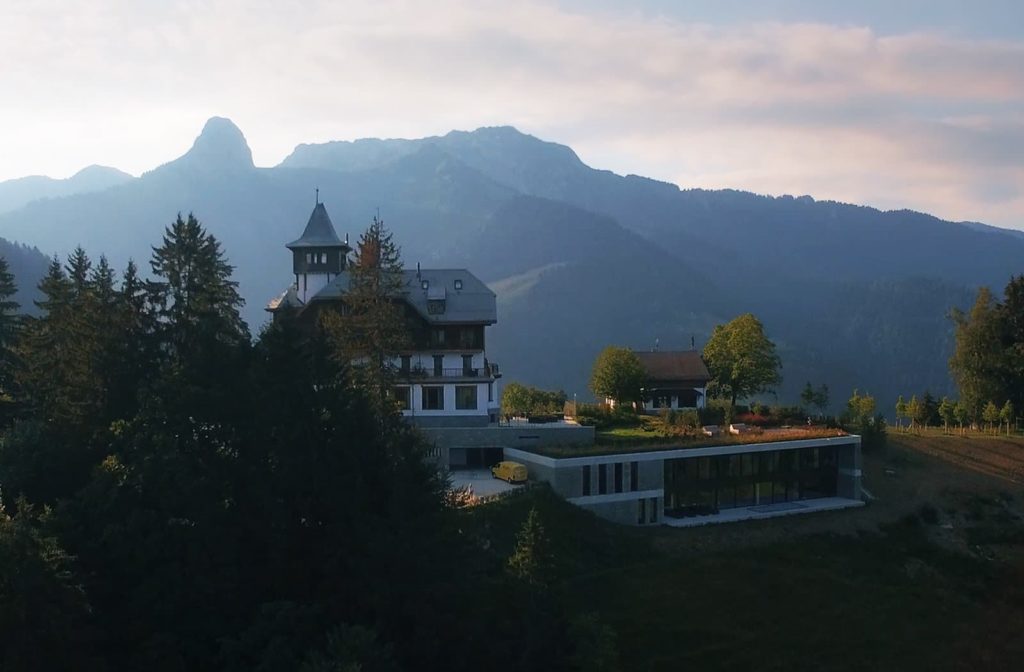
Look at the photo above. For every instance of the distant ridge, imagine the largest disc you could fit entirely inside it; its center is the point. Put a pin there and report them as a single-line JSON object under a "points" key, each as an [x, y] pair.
{"points": [[19, 192], [853, 296]]}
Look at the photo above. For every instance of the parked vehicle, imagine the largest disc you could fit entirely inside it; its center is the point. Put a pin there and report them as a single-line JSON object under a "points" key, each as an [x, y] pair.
{"points": [[513, 472]]}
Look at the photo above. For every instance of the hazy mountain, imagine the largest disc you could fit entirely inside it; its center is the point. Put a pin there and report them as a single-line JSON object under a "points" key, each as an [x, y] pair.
{"points": [[579, 257], [23, 190]]}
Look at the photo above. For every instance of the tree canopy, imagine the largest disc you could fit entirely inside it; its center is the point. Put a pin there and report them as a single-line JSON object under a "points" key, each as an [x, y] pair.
{"points": [[988, 362], [177, 497], [741, 359], [619, 375]]}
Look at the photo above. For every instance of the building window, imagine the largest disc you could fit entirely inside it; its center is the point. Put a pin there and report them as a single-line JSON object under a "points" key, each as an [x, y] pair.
{"points": [[586, 480], [458, 284], [425, 284], [653, 510], [435, 307], [467, 338], [641, 513], [465, 397], [618, 476], [433, 398], [402, 397], [437, 337], [490, 391], [634, 476], [406, 365], [602, 479], [438, 365], [309, 257], [467, 366]]}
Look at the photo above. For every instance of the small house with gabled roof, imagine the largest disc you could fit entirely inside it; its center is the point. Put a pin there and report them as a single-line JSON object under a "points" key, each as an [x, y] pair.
{"points": [[675, 379]]}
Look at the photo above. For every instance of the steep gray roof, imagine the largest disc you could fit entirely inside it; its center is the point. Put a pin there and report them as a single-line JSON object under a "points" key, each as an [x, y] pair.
{"points": [[473, 302], [319, 231]]}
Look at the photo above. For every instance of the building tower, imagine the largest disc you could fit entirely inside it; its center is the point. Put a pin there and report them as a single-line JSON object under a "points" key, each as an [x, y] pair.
{"points": [[318, 256]]}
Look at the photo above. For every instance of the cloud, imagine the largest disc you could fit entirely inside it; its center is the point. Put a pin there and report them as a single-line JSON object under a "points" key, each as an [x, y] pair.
{"points": [[924, 120]]}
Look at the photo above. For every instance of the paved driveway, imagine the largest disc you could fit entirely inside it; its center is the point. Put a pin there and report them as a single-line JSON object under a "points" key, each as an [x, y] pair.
{"points": [[481, 480]]}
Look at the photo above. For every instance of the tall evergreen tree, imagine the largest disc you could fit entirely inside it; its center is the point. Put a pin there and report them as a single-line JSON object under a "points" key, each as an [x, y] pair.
{"points": [[9, 328], [203, 339], [374, 329], [978, 363]]}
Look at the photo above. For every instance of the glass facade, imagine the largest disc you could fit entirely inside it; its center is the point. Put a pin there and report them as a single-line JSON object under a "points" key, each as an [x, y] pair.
{"points": [[704, 485]]}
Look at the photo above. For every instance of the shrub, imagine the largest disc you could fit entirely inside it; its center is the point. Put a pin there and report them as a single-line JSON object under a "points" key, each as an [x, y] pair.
{"points": [[754, 420], [713, 415]]}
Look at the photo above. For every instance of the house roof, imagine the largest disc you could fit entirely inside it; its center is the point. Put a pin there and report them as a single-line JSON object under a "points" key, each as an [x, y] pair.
{"points": [[674, 366], [466, 299], [319, 231]]}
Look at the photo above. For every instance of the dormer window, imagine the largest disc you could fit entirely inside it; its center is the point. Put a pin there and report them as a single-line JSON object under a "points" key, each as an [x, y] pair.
{"points": [[458, 284], [425, 284]]}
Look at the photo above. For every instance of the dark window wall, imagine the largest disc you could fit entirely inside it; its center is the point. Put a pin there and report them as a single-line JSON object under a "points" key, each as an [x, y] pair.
{"points": [[701, 485]]}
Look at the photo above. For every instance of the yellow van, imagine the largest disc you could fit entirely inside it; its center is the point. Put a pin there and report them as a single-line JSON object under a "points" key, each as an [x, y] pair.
{"points": [[513, 472]]}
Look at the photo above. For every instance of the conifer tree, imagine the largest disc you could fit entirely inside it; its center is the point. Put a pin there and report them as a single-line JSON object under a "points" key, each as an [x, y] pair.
{"points": [[9, 327], [201, 335], [374, 329]]}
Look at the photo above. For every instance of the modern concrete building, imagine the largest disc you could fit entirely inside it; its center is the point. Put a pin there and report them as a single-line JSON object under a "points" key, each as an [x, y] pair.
{"points": [[717, 483]]}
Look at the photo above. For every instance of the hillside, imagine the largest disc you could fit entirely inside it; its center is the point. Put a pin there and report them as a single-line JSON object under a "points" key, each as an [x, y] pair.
{"points": [[854, 297], [19, 192]]}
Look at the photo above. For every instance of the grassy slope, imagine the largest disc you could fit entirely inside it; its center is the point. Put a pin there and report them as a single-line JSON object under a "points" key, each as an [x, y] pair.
{"points": [[927, 577]]}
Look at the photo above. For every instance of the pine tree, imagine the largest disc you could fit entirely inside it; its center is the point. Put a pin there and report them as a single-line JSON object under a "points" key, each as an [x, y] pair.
{"points": [[9, 328], [374, 328], [977, 361], [198, 329], [531, 559]]}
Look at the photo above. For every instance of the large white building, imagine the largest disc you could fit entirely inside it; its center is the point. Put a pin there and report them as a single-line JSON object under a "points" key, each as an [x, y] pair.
{"points": [[445, 378]]}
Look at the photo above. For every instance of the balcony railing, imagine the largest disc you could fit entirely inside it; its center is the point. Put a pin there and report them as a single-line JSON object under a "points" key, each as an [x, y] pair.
{"points": [[491, 370]]}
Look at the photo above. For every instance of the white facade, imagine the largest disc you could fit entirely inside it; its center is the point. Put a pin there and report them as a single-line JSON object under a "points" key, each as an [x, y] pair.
{"points": [[456, 387], [673, 401]]}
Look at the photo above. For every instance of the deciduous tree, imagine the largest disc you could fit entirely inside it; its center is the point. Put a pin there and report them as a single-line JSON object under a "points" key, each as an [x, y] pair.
{"points": [[741, 359], [619, 375]]}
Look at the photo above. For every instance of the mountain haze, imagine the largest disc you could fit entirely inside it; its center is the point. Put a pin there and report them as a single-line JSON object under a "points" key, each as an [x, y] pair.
{"points": [[21, 191], [579, 257]]}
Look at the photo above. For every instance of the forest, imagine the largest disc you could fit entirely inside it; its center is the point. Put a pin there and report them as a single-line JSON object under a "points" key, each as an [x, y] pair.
{"points": [[178, 495]]}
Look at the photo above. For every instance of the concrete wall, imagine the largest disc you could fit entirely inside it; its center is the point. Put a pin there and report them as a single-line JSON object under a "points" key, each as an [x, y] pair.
{"points": [[523, 437], [565, 475]]}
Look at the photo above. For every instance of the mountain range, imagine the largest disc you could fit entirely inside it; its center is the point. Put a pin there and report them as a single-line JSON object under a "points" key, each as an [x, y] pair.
{"points": [[580, 258]]}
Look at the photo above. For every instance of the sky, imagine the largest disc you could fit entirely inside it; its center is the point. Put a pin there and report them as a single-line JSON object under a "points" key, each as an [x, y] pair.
{"points": [[896, 104]]}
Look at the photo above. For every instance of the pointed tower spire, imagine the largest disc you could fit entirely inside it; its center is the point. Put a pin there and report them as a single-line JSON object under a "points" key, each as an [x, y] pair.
{"points": [[318, 256]]}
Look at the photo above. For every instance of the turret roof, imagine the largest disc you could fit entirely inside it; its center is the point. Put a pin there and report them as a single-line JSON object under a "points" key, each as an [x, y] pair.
{"points": [[319, 231]]}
